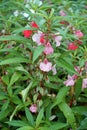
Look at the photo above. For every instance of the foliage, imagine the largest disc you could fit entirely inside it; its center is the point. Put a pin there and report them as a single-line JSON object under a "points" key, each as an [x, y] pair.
{"points": [[41, 44]]}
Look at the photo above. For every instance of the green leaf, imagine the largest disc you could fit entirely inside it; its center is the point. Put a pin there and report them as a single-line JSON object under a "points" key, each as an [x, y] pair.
{"points": [[18, 107], [58, 126], [37, 52], [26, 128], [67, 111], [65, 65], [83, 125], [5, 79], [21, 69], [51, 85], [44, 128], [13, 38], [55, 79], [2, 96], [15, 60], [15, 99], [5, 105], [25, 91], [17, 123], [78, 87], [80, 110], [4, 114], [51, 13], [14, 78], [29, 116], [61, 95], [39, 117]]}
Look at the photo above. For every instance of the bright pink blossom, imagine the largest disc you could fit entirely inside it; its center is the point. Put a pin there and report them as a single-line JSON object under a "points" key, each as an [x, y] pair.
{"points": [[70, 81], [33, 108], [37, 38], [27, 33], [45, 66], [72, 46], [62, 13], [57, 40], [34, 25], [78, 33], [48, 49], [84, 83]]}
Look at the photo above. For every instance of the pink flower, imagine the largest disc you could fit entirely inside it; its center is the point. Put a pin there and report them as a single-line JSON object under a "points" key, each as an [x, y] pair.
{"points": [[45, 66], [84, 83], [72, 46], [27, 33], [33, 108], [54, 69], [70, 81], [57, 40], [78, 33], [34, 25], [37, 37], [48, 49], [62, 13]]}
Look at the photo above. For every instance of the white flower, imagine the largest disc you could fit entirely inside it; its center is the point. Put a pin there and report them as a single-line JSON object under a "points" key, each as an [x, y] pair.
{"points": [[57, 40]]}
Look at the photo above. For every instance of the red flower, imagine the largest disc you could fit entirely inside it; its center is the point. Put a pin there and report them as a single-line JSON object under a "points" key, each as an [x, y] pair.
{"points": [[27, 33], [64, 22], [42, 39], [34, 25], [72, 46]]}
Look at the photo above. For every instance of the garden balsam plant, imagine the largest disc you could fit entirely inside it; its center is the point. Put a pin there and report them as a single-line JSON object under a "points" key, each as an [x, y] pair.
{"points": [[43, 65]]}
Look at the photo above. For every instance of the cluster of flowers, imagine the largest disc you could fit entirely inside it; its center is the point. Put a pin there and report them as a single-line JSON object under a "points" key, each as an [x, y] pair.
{"points": [[72, 79], [73, 45], [41, 38]]}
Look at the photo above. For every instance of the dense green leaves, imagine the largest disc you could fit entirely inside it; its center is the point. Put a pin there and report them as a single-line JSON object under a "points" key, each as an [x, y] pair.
{"points": [[25, 92], [25, 128], [29, 116], [17, 123], [83, 125], [14, 60], [68, 114], [66, 65], [39, 117], [13, 38], [78, 87], [24, 86], [58, 126], [37, 52], [60, 96]]}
